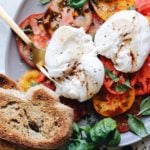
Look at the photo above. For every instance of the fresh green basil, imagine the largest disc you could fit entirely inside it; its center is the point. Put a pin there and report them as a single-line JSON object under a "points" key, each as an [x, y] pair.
{"points": [[86, 129], [76, 3], [111, 75], [136, 126], [123, 87], [91, 137], [76, 131], [44, 2], [115, 138], [80, 145], [101, 130], [34, 83], [145, 107]]}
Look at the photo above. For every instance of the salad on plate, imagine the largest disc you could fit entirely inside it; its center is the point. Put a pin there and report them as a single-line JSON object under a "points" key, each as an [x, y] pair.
{"points": [[99, 53]]}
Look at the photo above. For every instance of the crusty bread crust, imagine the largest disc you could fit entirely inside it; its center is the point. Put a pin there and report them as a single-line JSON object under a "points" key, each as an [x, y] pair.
{"points": [[7, 83], [35, 119]]}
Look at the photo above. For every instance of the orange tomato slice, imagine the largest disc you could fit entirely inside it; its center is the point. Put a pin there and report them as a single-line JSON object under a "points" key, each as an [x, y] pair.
{"points": [[106, 8], [109, 105], [30, 78]]}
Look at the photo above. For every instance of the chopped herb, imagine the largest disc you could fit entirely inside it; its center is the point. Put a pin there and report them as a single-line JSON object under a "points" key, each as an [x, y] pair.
{"points": [[33, 84], [127, 83], [44, 2], [76, 3], [111, 75], [123, 87]]}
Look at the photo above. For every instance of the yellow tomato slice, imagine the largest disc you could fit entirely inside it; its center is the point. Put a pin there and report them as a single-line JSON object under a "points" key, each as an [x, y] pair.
{"points": [[30, 78], [109, 105], [106, 8]]}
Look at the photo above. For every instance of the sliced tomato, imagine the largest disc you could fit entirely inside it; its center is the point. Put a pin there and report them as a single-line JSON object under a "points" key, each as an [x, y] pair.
{"points": [[109, 83], [80, 109], [59, 13], [143, 6], [33, 27], [40, 78], [108, 105], [106, 8], [30, 78], [141, 79], [96, 23]]}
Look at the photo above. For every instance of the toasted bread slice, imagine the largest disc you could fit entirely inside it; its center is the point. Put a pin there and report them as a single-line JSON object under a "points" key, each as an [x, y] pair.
{"points": [[6, 145], [7, 83], [34, 119]]}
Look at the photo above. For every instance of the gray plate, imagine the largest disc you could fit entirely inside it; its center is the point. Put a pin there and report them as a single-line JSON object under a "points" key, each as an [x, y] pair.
{"points": [[13, 65]]}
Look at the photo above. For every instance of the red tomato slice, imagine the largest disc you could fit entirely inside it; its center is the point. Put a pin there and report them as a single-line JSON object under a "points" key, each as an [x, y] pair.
{"points": [[33, 27], [108, 82], [59, 14], [141, 79], [143, 6]]}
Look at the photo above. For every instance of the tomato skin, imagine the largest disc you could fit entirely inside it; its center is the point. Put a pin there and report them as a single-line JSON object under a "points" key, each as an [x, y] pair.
{"points": [[38, 36], [108, 82], [40, 78], [141, 79], [143, 6]]}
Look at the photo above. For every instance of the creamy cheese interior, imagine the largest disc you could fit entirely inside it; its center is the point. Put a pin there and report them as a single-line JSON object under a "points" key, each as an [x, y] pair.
{"points": [[72, 61], [125, 39]]}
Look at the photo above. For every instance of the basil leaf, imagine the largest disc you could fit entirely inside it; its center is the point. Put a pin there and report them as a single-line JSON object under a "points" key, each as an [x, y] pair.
{"points": [[101, 130], [145, 107], [86, 129], [111, 75], [115, 138], [76, 3], [44, 2], [123, 87], [80, 145], [136, 126], [76, 131], [33, 83], [127, 83]]}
